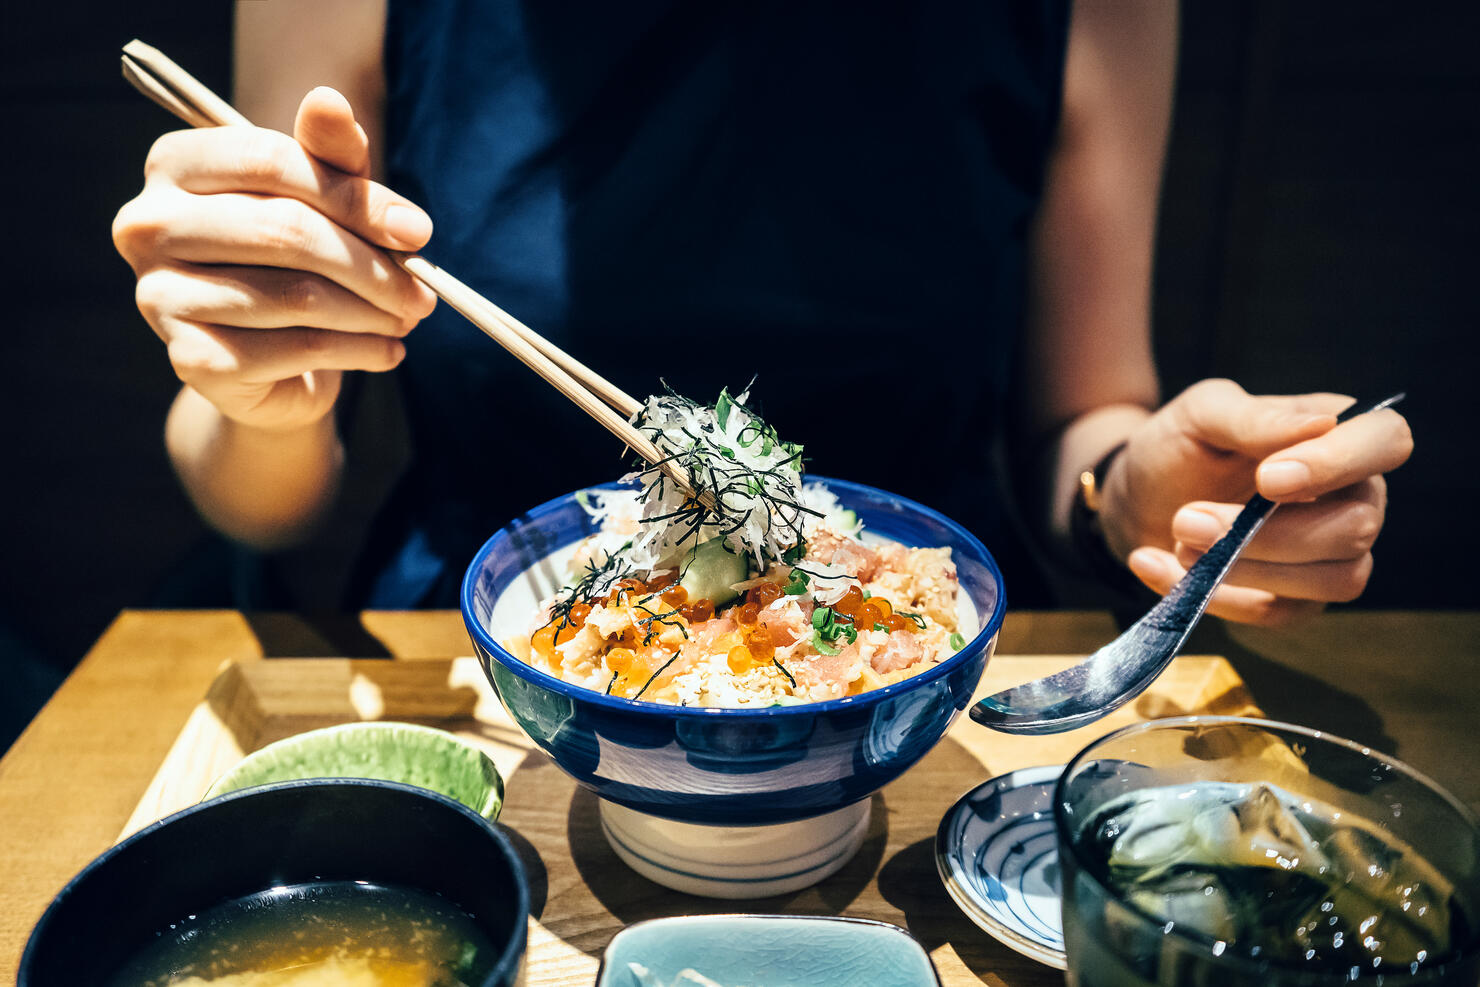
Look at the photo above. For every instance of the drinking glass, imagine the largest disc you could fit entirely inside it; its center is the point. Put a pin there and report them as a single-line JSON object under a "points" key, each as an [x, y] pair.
{"points": [[1118, 934]]}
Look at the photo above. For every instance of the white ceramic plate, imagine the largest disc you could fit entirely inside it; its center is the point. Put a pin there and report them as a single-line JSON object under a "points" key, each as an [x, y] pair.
{"points": [[998, 856]]}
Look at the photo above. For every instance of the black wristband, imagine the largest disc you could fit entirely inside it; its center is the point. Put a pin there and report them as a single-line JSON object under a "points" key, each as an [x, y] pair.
{"points": [[1086, 534]]}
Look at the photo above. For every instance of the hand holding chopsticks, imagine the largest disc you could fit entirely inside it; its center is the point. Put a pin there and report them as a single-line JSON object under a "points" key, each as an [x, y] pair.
{"points": [[176, 90]]}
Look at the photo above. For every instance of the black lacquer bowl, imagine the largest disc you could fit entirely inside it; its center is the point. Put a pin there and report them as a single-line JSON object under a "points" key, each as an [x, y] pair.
{"points": [[294, 832]]}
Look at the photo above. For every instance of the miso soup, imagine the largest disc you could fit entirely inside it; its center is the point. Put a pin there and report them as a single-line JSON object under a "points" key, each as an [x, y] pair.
{"points": [[345, 933]]}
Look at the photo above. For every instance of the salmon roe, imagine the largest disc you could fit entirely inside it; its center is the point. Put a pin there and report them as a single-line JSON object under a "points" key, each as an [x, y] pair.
{"points": [[899, 622], [620, 659], [868, 615], [543, 644], [740, 659], [758, 640], [849, 604], [763, 595], [697, 611]]}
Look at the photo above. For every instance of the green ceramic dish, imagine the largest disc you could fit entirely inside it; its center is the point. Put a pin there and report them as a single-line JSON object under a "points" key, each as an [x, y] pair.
{"points": [[404, 752]]}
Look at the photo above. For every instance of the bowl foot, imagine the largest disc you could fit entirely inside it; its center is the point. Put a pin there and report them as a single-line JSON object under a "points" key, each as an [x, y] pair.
{"points": [[735, 861]]}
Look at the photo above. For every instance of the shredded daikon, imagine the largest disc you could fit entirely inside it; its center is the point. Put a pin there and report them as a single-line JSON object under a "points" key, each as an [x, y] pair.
{"points": [[729, 453]]}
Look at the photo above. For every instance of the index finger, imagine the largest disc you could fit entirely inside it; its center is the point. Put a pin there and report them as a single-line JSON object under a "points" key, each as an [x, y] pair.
{"points": [[266, 162], [1365, 446]]}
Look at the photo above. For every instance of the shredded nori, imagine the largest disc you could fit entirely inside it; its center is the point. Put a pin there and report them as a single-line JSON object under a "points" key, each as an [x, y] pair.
{"points": [[714, 470]]}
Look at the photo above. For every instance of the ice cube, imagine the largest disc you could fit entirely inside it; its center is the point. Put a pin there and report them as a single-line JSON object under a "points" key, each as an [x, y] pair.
{"points": [[1399, 903], [1191, 898], [1167, 828]]}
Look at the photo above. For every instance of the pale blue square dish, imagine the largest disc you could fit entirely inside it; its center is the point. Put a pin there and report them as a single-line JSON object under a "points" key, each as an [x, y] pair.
{"points": [[819, 951]]}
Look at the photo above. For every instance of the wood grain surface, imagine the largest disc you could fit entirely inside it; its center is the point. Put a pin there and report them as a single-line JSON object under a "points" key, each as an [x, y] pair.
{"points": [[1404, 682], [583, 894]]}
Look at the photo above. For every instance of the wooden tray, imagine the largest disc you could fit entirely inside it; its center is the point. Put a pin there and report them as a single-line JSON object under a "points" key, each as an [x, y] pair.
{"points": [[581, 893]]}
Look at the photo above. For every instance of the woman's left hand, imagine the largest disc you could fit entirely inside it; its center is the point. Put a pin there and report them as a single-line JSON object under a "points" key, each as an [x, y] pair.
{"points": [[1185, 473]]}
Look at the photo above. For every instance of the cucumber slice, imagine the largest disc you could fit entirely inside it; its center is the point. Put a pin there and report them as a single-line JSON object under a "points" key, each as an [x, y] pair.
{"points": [[707, 571]]}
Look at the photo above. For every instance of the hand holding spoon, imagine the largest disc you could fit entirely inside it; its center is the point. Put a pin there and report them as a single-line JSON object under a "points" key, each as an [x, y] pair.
{"points": [[1122, 669]]}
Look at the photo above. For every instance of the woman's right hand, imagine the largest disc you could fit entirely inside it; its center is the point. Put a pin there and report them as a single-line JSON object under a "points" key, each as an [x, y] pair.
{"points": [[258, 262]]}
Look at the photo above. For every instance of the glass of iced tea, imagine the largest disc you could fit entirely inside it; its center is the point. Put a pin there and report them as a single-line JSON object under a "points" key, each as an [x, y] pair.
{"points": [[1226, 850]]}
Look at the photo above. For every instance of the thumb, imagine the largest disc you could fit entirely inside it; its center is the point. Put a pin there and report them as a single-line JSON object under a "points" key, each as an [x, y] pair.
{"points": [[326, 128]]}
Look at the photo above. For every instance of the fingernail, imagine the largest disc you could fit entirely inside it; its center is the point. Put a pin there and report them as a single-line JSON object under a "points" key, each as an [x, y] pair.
{"points": [[1198, 528], [1304, 420], [1286, 477], [1148, 566], [407, 224]]}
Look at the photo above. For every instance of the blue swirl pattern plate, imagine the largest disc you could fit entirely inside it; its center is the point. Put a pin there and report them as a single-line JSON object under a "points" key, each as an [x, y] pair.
{"points": [[998, 856]]}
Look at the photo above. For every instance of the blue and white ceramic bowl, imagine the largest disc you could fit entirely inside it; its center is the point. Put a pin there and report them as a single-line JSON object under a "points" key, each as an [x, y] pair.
{"points": [[820, 951], [671, 777]]}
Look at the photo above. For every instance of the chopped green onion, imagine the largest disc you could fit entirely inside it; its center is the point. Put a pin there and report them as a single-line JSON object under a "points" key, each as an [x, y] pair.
{"points": [[822, 646], [957, 642], [798, 584]]}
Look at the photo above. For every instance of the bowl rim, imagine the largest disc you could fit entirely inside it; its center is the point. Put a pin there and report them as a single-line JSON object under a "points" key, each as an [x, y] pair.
{"points": [[484, 640], [509, 956], [895, 931]]}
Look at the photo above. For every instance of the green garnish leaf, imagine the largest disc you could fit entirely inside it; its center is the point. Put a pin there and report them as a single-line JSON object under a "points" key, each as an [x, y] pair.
{"points": [[828, 628], [794, 554], [957, 642], [881, 627], [798, 584], [722, 408]]}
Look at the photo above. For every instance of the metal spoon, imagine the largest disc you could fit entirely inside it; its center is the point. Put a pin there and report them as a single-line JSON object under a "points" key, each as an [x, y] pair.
{"points": [[1122, 669]]}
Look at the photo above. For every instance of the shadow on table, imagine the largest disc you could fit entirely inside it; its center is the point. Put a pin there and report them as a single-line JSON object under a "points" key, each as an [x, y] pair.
{"points": [[1288, 694], [632, 898], [334, 635]]}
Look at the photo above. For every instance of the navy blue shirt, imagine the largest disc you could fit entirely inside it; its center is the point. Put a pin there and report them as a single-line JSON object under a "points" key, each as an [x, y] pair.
{"points": [[831, 198]]}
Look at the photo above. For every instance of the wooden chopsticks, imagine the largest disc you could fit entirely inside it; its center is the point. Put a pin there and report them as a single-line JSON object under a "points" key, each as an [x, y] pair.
{"points": [[156, 76]]}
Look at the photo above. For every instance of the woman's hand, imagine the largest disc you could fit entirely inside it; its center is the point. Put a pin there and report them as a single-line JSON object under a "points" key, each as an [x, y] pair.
{"points": [[258, 263], [1185, 473]]}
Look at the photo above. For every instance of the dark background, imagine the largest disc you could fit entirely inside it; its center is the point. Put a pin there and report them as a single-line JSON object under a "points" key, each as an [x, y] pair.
{"points": [[1318, 232]]}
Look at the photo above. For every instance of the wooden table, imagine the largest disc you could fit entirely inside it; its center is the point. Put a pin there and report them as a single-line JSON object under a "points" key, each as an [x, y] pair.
{"points": [[1407, 683]]}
